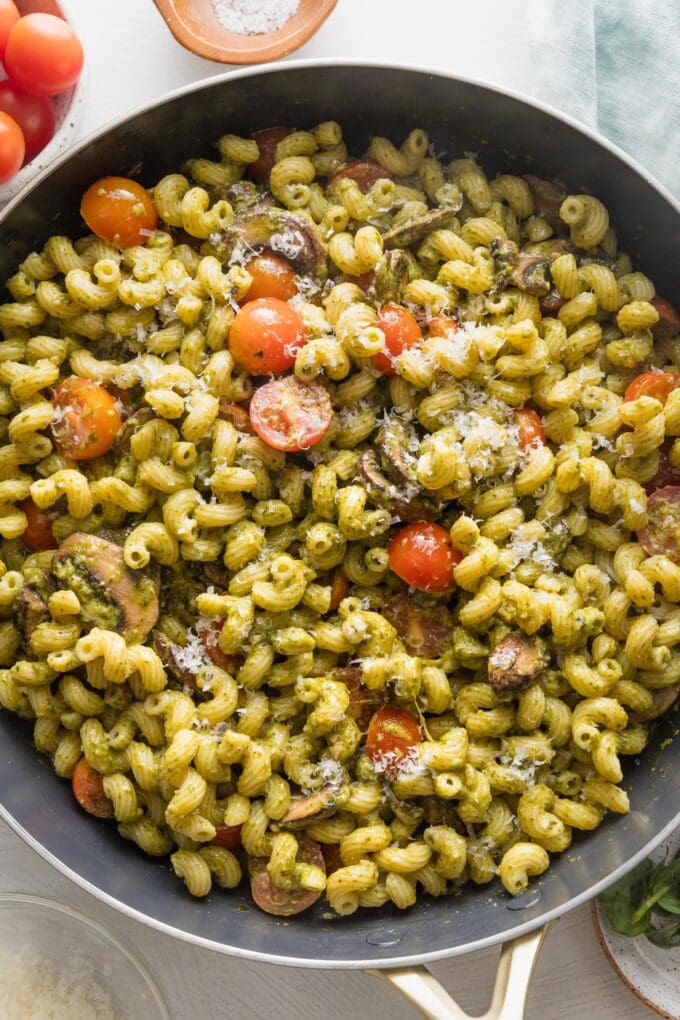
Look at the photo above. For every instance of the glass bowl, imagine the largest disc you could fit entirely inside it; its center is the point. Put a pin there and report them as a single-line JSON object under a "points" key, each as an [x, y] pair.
{"points": [[33, 928]]}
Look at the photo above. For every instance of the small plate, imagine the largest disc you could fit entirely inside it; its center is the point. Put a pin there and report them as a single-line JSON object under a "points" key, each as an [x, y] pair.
{"points": [[651, 973], [195, 25]]}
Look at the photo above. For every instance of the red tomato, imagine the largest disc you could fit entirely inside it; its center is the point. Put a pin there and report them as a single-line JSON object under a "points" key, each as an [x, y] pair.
{"points": [[401, 332], [364, 172], [661, 535], [653, 384], [38, 534], [531, 431], [43, 54], [442, 325], [284, 902], [666, 474], [12, 147], [666, 311], [273, 277], [8, 16], [87, 420], [339, 589], [34, 115], [392, 734], [88, 789], [267, 140], [265, 336], [119, 210], [209, 635], [237, 415], [422, 555], [289, 415], [228, 836]]}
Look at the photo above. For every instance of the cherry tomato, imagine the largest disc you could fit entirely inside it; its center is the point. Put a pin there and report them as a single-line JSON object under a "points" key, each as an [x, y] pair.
{"points": [[34, 115], [653, 384], [273, 277], [284, 902], [401, 332], [424, 630], [43, 54], [339, 589], [530, 427], [362, 701], [421, 554], [12, 147], [661, 534], [88, 789], [267, 140], [666, 474], [289, 415], [666, 312], [228, 836], [442, 325], [392, 734], [38, 534], [8, 16], [364, 172], [87, 420], [265, 336], [209, 635], [119, 210], [237, 415]]}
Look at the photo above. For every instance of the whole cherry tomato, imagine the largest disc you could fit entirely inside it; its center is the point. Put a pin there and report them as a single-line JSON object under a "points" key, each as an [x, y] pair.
{"points": [[363, 171], [119, 210], [43, 54], [401, 332], [265, 336], [34, 115], [88, 789], [9, 14], [12, 147], [87, 419], [267, 140], [653, 384], [422, 555]]}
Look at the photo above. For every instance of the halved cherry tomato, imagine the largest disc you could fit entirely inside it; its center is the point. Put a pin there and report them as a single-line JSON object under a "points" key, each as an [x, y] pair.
{"points": [[87, 419], [530, 427], [43, 54], [209, 635], [267, 140], [12, 147], [119, 210], [363, 171], [9, 15], [666, 311], [653, 384], [237, 415], [284, 902], [88, 789], [273, 277], [666, 474], [228, 836], [661, 534], [38, 534], [422, 555], [442, 325], [265, 336], [401, 332], [34, 115], [339, 589], [392, 734], [289, 415]]}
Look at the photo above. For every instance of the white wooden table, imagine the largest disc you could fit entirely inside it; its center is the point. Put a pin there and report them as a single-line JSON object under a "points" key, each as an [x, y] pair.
{"points": [[133, 58]]}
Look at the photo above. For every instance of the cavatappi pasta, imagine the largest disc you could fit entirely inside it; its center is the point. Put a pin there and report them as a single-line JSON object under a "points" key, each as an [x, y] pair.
{"points": [[339, 518]]}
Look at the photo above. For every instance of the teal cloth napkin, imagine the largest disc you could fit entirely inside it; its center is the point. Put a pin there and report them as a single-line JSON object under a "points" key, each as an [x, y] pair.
{"points": [[615, 65]]}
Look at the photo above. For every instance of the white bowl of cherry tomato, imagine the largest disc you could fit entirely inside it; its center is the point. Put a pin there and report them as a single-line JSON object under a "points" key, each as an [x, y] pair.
{"points": [[42, 91]]}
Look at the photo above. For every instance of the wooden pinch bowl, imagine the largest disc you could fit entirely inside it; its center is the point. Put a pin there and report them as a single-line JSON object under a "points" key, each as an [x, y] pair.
{"points": [[194, 24]]}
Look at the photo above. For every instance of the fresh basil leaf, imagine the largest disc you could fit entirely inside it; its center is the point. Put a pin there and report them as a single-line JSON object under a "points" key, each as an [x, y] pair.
{"points": [[665, 938], [669, 881], [628, 898]]}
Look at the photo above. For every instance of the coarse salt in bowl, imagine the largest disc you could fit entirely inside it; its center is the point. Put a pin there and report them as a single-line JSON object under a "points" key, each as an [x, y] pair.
{"points": [[69, 106]]}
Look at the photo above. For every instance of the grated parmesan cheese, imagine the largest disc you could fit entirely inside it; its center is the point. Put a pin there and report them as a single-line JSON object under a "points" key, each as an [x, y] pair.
{"points": [[252, 17], [32, 988]]}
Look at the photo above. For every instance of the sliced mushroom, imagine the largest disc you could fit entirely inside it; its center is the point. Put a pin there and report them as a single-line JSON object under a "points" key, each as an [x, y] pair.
{"points": [[514, 662], [241, 195], [111, 595], [362, 701], [663, 699], [397, 443], [130, 426], [440, 812], [411, 505], [216, 574], [393, 271], [313, 807], [551, 302], [416, 230], [547, 195], [532, 274], [406, 811], [425, 629], [281, 232], [550, 249], [31, 610], [170, 655]]}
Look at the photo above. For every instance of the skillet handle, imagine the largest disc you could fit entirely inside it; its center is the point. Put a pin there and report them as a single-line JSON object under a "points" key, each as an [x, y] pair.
{"points": [[511, 989]]}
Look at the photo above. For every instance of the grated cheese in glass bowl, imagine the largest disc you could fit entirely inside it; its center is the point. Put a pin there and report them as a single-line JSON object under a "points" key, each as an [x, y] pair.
{"points": [[56, 964]]}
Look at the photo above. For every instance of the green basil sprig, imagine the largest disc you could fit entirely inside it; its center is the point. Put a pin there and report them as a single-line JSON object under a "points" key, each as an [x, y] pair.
{"points": [[646, 901]]}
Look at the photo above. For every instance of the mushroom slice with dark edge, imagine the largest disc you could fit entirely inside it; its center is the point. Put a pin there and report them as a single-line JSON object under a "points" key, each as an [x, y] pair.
{"points": [[111, 595], [525, 271], [392, 482], [514, 662], [417, 230], [548, 197], [281, 232], [663, 701], [170, 655], [313, 807], [425, 629], [406, 505], [31, 610], [284, 902], [394, 269]]}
